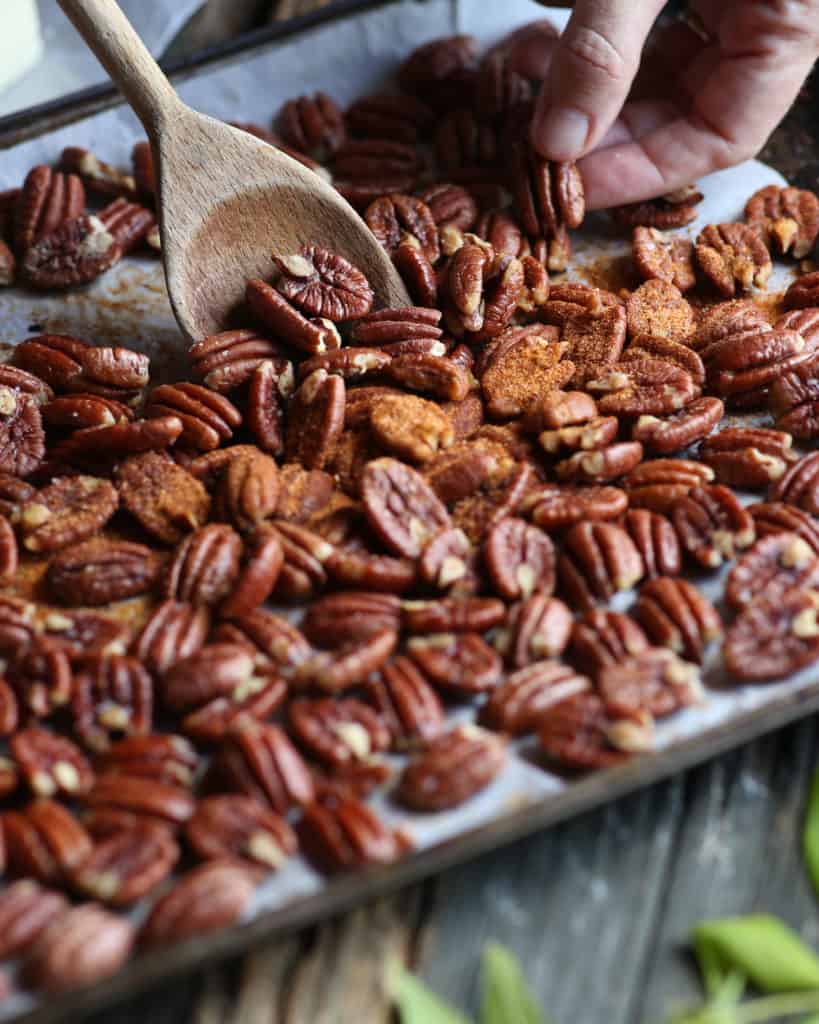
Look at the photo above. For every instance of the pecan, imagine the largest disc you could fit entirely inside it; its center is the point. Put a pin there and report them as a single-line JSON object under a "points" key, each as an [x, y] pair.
{"points": [[338, 731], [81, 633], [13, 492], [655, 539], [355, 566], [461, 663], [598, 560], [323, 284], [206, 899], [97, 572], [346, 834], [403, 118], [477, 513], [556, 505], [304, 555], [55, 358], [655, 682], [391, 218], [47, 200], [174, 631], [66, 511], [658, 308], [748, 458], [806, 322], [751, 361], [803, 292], [350, 616], [641, 386], [594, 434], [364, 170], [258, 698], [348, 665], [411, 427], [548, 195], [603, 638], [350, 363], [408, 706], [127, 865], [76, 253], [248, 491], [50, 764], [81, 412], [259, 760], [520, 559], [42, 677], [401, 507], [446, 559], [97, 447], [45, 841], [787, 219], [499, 88], [208, 419], [773, 637], [239, 827], [162, 757], [465, 468], [536, 628], [316, 419], [583, 734], [674, 210], [26, 909], [712, 525], [517, 705], [226, 361], [22, 438], [416, 272], [95, 174], [389, 326], [81, 946], [465, 144], [594, 339], [525, 364], [163, 497], [451, 206], [568, 299], [653, 346], [140, 799], [502, 232], [269, 634], [441, 377], [733, 258], [662, 258], [257, 574], [671, 433], [27, 383], [452, 614], [726, 318], [436, 70], [451, 769], [128, 223], [282, 317], [659, 484], [9, 711], [775, 563], [675, 614], [600, 466], [17, 626], [215, 670], [205, 566], [313, 124], [799, 486], [264, 409], [112, 694]]}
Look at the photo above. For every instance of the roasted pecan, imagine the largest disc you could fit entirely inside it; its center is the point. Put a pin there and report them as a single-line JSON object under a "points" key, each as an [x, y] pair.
{"points": [[394, 217], [95, 174], [408, 706], [662, 258], [338, 731], [549, 196], [556, 505], [324, 284], [673, 210], [66, 511], [787, 219], [174, 631], [603, 638], [438, 70], [517, 705], [344, 834], [112, 695], [462, 663], [47, 200], [304, 555], [748, 457], [451, 769], [411, 427], [270, 635], [451, 206], [750, 362], [349, 616], [162, 496], [658, 308], [260, 761], [466, 144], [436, 375], [350, 363], [775, 563], [477, 513], [733, 258], [316, 419], [520, 559], [163, 757], [206, 899], [594, 340], [468, 467], [128, 223], [226, 361], [642, 385], [127, 865], [583, 734], [97, 572], [138, 799], [654, 682], [239, 827], [601, 466], [799, 485], [208, 419], [75, 253], [725, 318], [259, 697], [597, 433], [452, 614], [524, 364], [82, 633], [803, 292], [385, 116], [45, 841], [282, 317], [313, 124], [675, 614], [26, 909], [659, 484], [655, 539], [712, 525], [773, 637], [401, 507], [79, 947], [248, 491], [348, 665], [205, 566], [81, 412], [96, 448], [22, 439], [142, 162], [50, 764], [447, 559], [677, 352], [41, 675], [215, 670], [264, 409], [598, 560], [671, 433], [536, 628], [17, 626], [9, 712]]}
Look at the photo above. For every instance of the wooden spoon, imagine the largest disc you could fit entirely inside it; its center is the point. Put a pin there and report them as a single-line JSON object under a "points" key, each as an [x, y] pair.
{"points": [[226, 199]]}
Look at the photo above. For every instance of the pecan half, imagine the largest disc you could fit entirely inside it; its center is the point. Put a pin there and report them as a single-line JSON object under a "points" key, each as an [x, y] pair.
{"points": [[451, 769], [393, 217], [112, 695], [748, 458], [174, 631], [598, 560], [138, 799], [601, 466], [803, 292], [345, 834], [675, 614], [799, 485], [45, 841], [50, 764], [787, 219], [671, 433], [226, 361], [536, 628], [208, 419], [641, 386], [524, 364], [46, 201], [338, 732], [239, 827], [313, 124], [520, 559], [557, 505], [401, 507], [654, 682], [159, 756], [461, 663], [712, 525], [324, 284], [662, 258], [583, 734], [315, 419], [659, 484], [774, 564], [76, 253], [127, 865], [260, 761], [603, 638], [98, 572], [66, 511], [287, 323], [413, 428], [517, 705], [248, 491], [163, 497], [733, 258], [658, 308], [655, 539], [773, 637], [26, 909], [409, 707]]}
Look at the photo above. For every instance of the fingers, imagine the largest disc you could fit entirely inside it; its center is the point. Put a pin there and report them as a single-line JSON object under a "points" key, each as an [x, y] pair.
{"points": [[592, 70]]}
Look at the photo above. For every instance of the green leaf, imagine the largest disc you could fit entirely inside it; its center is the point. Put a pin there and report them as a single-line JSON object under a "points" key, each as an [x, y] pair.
{"points": [[810, 834], [415, 1002], [505, 996], [761, 948]]}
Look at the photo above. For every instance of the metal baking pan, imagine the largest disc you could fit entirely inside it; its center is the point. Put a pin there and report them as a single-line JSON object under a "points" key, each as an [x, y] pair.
{"points": [[247, 80]]}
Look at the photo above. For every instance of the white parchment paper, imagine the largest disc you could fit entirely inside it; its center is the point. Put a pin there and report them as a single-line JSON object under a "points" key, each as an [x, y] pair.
{"points": [[129, 306]]}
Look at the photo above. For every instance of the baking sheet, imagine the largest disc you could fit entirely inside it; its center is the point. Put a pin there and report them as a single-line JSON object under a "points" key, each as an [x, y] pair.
{"points": [[129, 306]]}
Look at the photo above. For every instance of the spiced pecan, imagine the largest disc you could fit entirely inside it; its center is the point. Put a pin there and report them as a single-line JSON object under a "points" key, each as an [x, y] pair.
{"points": [[127, 865], [642, 385], [409, 707], [482, 289], [745, 365], [671, 433], [98, 571], [773, 637], [323, 284], [315, 419], [401, 507], [162, 496], [548, 195], [724, 318], [215, 670], [656, 540], [26, 909], [465, 468], [557, 505], [451, 769], [451, 206], [45, 841], [205, 566], [128, 223], [81, 412], [583, 734], [603, 637], [773, 564], [346, 834], [22, 438], [517, 705], [594, 339], [47, 200], [674, 210], [112, 695], [174, 631], [536, 628], [338, 731], [138, 799], [598, 559], [282, 317], [657, 347], [520, 559], [208, 419], [248, 491], [525, 364], [787, 219], [659, 484], [799, 486], [655, 682], [350, 363], [602, 465], [269, 634], [66, 511], [435, 375], [239, 827], [436, 70], [595, 434], [658, 308], [748, 458], [49, 763], [260, 761], [478, 512], [416, 272], [733, 258], [662, 258], [411, 427], [803, 292]]}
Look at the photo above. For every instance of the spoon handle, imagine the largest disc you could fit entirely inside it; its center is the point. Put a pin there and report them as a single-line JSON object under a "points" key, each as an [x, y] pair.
{"points": [[125, 57]]}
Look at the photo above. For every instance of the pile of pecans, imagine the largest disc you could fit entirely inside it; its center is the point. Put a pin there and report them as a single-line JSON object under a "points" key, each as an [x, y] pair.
{"points": [[448, 496]]}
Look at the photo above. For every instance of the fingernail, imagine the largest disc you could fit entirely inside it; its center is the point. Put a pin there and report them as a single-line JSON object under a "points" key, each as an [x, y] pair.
{"points": [[562, 133]]}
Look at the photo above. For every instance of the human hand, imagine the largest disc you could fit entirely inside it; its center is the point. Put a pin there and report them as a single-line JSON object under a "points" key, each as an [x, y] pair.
{"points": [[641, 124]]}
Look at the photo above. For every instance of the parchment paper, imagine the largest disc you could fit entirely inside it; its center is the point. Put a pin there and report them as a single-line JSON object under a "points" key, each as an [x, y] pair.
{"points": [[129, 306]]}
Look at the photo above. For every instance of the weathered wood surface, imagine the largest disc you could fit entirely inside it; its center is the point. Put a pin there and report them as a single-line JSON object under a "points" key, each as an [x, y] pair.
{"points": [[598, 910]]}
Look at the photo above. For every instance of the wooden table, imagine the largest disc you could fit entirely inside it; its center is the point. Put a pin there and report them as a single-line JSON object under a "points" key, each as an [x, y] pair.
{"points": [[598, 910]]}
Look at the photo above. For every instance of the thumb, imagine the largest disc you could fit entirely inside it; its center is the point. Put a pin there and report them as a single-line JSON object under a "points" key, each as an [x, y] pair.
{"points": [[592, 70]]}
